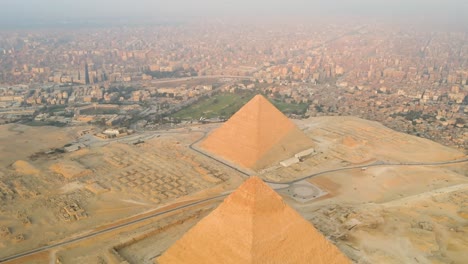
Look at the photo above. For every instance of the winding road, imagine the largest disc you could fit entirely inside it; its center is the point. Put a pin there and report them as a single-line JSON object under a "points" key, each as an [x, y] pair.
{"points": [[375, 164], [107, 230], [189, 205]]}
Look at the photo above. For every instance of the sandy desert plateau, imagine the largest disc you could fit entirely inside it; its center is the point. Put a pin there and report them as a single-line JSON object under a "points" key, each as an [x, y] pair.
{"points": [[378, 195]]}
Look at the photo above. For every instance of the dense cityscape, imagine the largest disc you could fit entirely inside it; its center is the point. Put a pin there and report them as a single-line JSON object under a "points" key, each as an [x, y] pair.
{"points": [[267, 132], [413, 80]]}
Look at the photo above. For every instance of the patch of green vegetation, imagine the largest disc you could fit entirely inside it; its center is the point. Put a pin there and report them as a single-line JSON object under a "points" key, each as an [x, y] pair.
{"points": [[224, 105], [42, 123], [99, 111], [290, 108], [55, 108], [220, 105]]}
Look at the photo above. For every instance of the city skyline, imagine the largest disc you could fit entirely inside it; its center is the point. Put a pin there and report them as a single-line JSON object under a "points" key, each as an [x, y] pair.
{"points": [[53, 11], [127, 127]]}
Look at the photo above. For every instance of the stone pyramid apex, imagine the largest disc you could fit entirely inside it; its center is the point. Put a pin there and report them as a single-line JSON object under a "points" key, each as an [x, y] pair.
{"points": [[254, 196], [259, 97], [254, 185], [253, 225], [259, 102]]}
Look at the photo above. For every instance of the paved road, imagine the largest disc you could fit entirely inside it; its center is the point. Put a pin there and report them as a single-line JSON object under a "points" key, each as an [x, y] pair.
{"points": [[156, 81], [215, 159], [376, 164], [76, 239], [83, 237]]}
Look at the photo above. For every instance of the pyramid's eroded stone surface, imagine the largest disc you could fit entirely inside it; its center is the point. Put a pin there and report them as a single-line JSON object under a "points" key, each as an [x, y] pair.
{"points": [[253, 225], [257, 136]]}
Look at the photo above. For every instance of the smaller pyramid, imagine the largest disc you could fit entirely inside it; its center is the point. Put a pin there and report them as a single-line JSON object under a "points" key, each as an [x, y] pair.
{"points": [[257, 136], [253, 225]]}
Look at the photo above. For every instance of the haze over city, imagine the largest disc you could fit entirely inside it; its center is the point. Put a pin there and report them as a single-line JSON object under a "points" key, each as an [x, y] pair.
{"points": [[428, 11], [287, 132]]}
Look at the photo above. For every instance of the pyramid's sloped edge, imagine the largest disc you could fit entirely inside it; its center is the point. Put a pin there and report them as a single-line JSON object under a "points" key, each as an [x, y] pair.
{"points": [[253, 225]]}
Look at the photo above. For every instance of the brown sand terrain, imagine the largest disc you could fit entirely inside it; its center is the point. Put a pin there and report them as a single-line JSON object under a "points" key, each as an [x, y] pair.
{"points": [[257, 136], [429, 227], [350, 141], [253, 225], [373, 140], [384, 214], [53, 197], [18, 142], [24, 167], [135, 243], [384, 184], [70, 169]]}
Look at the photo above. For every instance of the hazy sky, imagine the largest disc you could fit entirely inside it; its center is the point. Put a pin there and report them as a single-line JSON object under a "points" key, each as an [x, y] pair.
{"points": [[73, 9]]}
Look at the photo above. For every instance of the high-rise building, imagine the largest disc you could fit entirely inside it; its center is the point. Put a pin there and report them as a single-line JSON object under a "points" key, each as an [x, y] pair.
{"points": [[86, 74]]}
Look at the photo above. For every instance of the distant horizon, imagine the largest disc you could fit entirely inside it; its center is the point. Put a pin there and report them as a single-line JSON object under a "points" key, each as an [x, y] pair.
{"points": [[32, 13], [99, 22]]}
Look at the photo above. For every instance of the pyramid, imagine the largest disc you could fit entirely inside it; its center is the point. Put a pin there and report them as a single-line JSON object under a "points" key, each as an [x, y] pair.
{"points": [[253, 225], [257, 136]]}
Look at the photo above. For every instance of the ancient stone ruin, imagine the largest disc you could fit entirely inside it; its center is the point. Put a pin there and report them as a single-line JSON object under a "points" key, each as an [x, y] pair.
{"points": [[253, 225], [257, 136]]}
